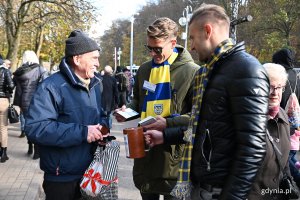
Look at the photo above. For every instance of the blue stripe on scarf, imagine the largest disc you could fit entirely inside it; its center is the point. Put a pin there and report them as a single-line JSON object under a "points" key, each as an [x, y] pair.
{"points": [[155, 65], [162, 91]]}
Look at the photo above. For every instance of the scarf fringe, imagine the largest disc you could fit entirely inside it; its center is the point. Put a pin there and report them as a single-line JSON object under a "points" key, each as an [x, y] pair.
{"points": [[188, 134], [182, 190]]}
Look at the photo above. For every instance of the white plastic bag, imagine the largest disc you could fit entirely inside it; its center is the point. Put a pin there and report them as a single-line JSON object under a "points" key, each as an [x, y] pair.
{"points": [[100, 180]]}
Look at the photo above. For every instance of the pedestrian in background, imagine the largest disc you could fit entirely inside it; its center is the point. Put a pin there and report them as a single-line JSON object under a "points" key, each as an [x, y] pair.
{"points": [[274, 169], [163, 89], [6, 89], [7, 63], [110, 96], [27, 78], [122, 86], [128, 84], [65, 118], [226, 137], [286, 58]]}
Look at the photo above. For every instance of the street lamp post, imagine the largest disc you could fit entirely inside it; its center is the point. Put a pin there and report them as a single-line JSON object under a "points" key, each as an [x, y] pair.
{"points": [[184, 21], [119, 55], [131, 45], [115, 57]]}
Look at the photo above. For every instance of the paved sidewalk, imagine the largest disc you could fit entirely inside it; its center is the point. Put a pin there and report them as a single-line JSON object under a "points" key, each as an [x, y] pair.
{"points": [[21, 177]]}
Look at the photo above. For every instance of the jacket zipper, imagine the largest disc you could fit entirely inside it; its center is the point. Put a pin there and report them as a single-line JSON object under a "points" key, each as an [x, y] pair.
{"points": [[57, 171], [210, 151], [174, 91]]}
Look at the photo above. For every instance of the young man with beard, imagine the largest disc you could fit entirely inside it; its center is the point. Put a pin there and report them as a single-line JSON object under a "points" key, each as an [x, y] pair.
{"points": [[225, 139]]}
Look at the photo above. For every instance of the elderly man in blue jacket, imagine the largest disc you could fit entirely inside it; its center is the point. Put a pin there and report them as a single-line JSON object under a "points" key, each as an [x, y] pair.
{"points": [[65, 118]]}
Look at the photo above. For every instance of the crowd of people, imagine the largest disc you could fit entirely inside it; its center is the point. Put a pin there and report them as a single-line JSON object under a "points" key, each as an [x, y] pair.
{"points": [[222, 130]]}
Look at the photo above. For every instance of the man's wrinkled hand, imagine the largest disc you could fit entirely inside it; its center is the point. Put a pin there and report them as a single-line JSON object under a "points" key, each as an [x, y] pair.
{"points": [[118, 117], [94, 133], [160, 124]]}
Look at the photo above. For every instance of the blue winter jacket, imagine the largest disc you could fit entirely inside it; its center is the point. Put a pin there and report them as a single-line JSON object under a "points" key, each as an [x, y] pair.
{"points": [[57, 120]]}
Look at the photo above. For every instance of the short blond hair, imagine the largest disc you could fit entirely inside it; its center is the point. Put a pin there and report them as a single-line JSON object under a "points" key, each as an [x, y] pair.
{"points": [[162, 28], [276, 71]]}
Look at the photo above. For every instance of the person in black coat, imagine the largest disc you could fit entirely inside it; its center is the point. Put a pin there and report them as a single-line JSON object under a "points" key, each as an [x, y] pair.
{"points": [[121, 86], [27, 78], [110, 94], [6, 89], [227, 131], [286, 58]]}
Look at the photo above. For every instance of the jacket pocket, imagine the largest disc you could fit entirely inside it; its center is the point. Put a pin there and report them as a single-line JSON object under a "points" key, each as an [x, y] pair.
{"points": [[51, 159], [76, 160]]}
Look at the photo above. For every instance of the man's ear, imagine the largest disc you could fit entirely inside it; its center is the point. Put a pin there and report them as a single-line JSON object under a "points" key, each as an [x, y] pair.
{"points": [[76, 60], [208, 30], [174, 42]]}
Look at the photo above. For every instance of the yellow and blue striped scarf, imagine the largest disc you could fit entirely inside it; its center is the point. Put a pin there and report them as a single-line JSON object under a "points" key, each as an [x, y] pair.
{"points": [[159, 101], [183, 187]]}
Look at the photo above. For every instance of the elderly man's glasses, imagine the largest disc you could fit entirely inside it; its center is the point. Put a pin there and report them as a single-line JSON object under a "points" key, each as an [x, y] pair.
{"points": [[279, 88]]}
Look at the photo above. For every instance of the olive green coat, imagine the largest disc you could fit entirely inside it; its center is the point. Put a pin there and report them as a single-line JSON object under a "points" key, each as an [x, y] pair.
{"points": [[157, 171]]}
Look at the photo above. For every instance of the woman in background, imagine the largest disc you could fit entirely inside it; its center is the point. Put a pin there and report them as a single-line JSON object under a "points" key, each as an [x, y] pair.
{"points": [[27, 78]]}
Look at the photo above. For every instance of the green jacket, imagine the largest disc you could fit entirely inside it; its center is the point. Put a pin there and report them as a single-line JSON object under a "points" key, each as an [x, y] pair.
{"points": [[157, 171]]}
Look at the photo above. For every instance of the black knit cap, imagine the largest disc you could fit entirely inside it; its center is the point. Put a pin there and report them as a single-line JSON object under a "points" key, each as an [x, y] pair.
{"points": [[79, 43]]}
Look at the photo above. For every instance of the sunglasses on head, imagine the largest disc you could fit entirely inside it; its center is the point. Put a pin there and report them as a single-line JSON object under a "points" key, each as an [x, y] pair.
{"points": [[157, 50]]}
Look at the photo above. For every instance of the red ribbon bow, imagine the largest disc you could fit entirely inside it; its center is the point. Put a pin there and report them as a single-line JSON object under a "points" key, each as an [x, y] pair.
{"points": [[93, 179]]}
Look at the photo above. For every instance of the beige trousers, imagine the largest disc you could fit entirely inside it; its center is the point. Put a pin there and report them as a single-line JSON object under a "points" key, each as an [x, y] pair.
{"points": [[4, 103]]}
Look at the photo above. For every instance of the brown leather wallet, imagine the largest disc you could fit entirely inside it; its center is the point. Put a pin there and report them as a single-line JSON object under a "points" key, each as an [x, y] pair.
{"points": [[104, 130]]}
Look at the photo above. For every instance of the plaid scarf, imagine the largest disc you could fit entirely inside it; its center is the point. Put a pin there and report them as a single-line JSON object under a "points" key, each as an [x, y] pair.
{"points": [[183, 187], [158, 102]]}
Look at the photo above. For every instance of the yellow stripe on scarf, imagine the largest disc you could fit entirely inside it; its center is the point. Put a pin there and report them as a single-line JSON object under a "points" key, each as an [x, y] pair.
{"points": [[160, 74], [159, 102]]}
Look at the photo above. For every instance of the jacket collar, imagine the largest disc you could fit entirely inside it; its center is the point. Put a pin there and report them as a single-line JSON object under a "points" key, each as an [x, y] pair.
{"points": [[282, 116], [238, 47], [68, 72], [26, 67], [183, 57]]}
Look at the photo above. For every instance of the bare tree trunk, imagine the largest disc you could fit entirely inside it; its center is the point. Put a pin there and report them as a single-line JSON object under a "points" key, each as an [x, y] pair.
{"points": [[39, 40], [13, 32], [14, 29], [12, 54], [13, 47], [288, 39]]}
